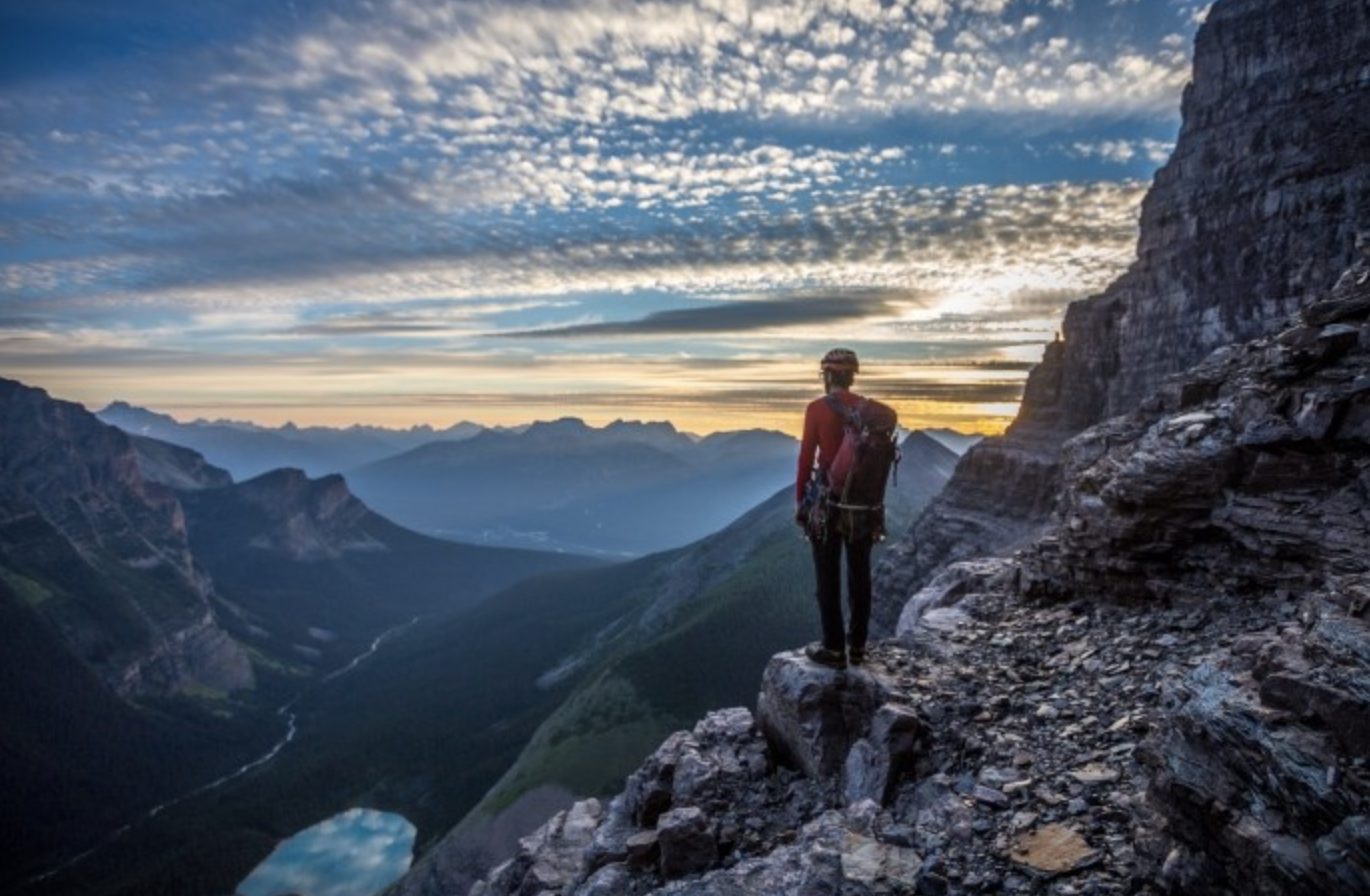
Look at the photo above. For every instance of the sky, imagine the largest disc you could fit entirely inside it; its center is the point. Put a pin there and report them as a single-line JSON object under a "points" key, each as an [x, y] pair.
{"points": [[398, 212]]}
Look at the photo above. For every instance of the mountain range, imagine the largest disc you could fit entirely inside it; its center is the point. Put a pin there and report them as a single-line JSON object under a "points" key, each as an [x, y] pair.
{"points": [[617, 491], [622, 490], [246, 449]]}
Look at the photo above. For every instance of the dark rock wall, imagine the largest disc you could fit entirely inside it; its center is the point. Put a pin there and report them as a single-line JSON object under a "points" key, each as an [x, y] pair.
{"points": [[1261, 202], [1246, 478], [1249, 474], [1258, 209]]}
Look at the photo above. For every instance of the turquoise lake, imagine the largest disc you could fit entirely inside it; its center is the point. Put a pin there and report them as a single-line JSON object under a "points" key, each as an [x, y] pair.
{"points": [[356, 853]]}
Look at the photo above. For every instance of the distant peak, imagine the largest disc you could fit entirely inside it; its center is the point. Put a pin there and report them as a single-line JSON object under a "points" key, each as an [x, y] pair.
{"points": [[562, 425], [123, 409], [664, 426]]}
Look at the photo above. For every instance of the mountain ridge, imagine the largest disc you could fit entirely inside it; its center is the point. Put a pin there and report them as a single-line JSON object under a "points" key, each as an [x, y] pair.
{"points": [[248, 449], [619, 491]]}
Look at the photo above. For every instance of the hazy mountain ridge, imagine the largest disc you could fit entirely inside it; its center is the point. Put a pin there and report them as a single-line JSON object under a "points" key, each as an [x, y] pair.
{"points": [[107, 548], [247, 449], [625, 489]]}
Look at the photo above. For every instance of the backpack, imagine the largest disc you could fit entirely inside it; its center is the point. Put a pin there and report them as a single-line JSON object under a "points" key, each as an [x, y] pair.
{"points": [[860, 470]]}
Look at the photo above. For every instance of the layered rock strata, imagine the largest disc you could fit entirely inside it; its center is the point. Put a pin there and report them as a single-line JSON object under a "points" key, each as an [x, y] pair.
{"points": [[1249, 474], [1259, 207]]}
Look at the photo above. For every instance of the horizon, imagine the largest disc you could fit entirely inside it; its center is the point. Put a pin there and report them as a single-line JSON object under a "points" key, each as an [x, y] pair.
{"points": [[407, 212], [439, 428]]}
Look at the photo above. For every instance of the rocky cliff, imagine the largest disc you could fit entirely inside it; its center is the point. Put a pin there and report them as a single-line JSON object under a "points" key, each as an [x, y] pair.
{"points": [[101, 552], [1257, 210]]}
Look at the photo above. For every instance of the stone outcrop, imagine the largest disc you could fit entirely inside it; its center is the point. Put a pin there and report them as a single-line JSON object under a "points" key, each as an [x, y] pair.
{"points": [[1258, 209], [717, 811], [813, 715], [1250, 473]]}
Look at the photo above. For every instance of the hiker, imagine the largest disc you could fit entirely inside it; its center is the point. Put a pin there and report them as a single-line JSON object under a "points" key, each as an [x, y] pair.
{"points": [[825, 421]]}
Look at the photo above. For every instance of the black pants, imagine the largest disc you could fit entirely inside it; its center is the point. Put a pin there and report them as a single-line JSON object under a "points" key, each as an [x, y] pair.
{"points": [[827, 568]]}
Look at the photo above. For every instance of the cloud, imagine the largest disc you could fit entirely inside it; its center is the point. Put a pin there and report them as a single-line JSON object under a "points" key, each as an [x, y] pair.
{"points": [[1121, 152], [959, 250], [527, 65], [737, 317]]}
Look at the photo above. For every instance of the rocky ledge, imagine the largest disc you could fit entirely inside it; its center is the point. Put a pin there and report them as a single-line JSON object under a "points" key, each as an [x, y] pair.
{"points": [[996, 746]]}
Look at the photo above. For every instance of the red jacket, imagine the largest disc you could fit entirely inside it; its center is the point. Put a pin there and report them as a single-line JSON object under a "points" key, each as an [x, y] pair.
{"points": [[822, 436]]}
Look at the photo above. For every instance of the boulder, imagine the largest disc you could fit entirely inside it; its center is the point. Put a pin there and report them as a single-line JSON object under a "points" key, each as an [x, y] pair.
{"points": [[812, 715], [890, 752], [686, 841]]}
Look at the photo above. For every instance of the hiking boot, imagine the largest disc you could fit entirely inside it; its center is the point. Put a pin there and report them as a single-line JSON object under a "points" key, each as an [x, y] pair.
{"points": [[821, 655], [856, 655]]}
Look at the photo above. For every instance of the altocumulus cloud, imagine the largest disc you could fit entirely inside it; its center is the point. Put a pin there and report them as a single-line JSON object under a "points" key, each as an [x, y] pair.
{"points": [[762, 314]]}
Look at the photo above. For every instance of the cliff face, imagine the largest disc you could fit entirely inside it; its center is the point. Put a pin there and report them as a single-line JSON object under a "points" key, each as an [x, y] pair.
{"points": [[1258, 209], [1248, 474], [1247, 477], [102, 552]]}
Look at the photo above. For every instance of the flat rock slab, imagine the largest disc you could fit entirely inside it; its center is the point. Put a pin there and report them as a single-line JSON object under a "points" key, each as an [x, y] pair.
{"points": [[881, 867], [1054, 849], [1095, 773]]}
